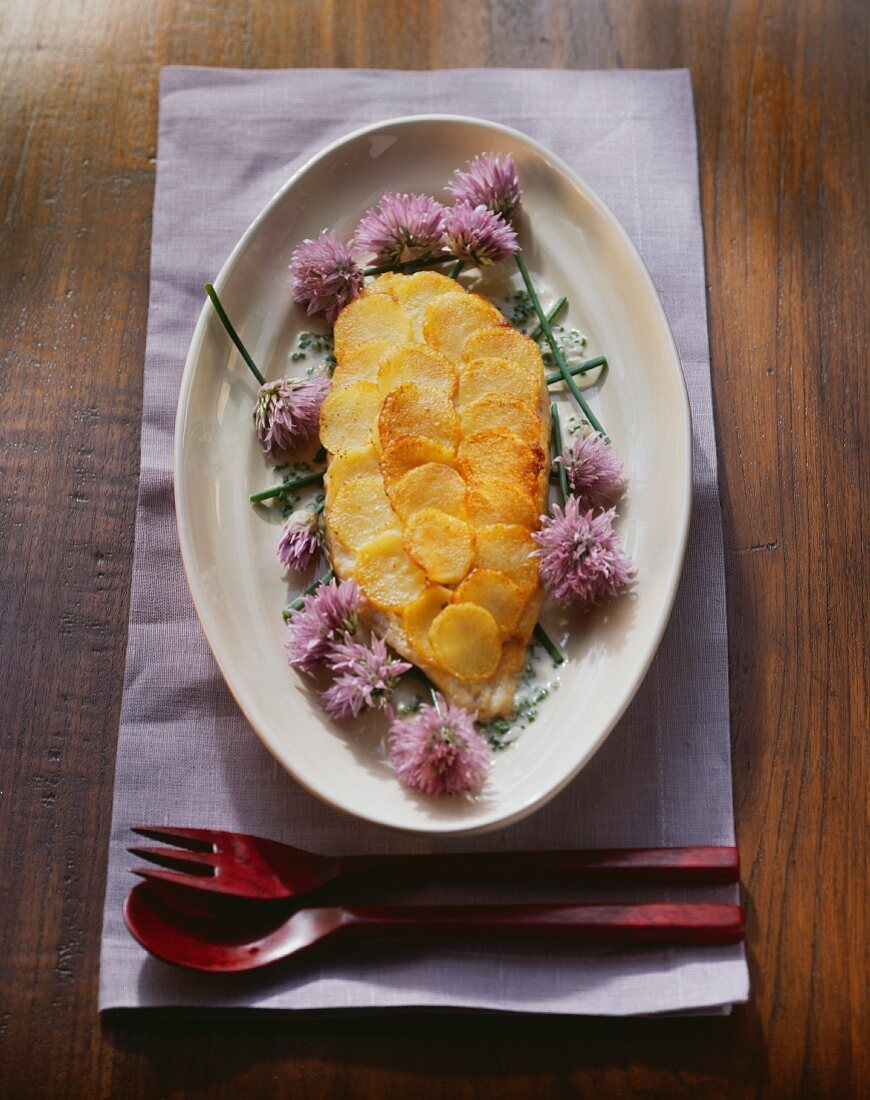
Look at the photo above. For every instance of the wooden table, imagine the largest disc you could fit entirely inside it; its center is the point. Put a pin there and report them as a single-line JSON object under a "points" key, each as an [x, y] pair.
{"points": [[781, 92]]}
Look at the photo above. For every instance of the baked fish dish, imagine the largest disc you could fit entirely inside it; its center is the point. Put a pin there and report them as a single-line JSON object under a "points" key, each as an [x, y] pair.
{"points": [[436, 430]]}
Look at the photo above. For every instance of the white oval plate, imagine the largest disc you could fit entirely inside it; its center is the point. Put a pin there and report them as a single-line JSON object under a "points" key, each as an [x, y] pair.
{"points": [[573, 245]]}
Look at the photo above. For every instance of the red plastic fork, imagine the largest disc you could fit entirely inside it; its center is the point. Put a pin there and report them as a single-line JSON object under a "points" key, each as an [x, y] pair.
{"points": [[244, 866]]}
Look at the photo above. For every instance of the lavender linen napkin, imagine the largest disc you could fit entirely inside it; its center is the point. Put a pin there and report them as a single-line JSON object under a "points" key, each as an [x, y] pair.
{"points": [[228, 139]]}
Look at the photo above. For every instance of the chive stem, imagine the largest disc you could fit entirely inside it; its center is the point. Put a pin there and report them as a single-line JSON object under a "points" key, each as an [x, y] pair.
{"points": [[552, 314], [453, 273], [296, 605], [548, 644], [555, 349], [557, 448], [231, 332], [411, 265], [286, 487], [582, 368]]}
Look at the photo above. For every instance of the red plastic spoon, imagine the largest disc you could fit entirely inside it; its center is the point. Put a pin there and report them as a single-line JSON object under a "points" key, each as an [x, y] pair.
{"points": [[178, 932]]}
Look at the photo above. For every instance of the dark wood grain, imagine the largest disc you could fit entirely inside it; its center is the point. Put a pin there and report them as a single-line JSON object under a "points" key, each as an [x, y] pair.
{"points": [[782, 92]]}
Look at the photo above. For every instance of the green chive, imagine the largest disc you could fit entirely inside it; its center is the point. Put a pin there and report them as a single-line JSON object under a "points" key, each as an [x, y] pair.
{"points": [[589, 364], [548, 644], [231, 332], [552, 314], [555, 349], [296, 605], [285, 487], [411, 265], [557, 447]]}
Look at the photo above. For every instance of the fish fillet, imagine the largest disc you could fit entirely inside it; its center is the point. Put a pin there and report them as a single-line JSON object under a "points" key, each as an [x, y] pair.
{"points": [[437, 430]]}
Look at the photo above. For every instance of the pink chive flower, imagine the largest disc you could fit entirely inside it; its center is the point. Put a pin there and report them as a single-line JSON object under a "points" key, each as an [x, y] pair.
{"points": [[326, 618], [491, 181], [300, 539], [367, 677], [581, 555], [287, 412], [401, 228], [324, 275], [439, 751], [594, 472], [477, 235]]}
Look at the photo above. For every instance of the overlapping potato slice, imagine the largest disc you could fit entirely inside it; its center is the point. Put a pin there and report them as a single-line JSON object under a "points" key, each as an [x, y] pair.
{"points": [[494, 452], [415, 408], [385, 284], [488, 377], [432, 485], [350, 464], [507, 548], [417, 363], [347, 416], [452, 318], [440, 544], [417, 618], [500, 410], [504, 342], [407, 452], [494, 500], [495, 592], [513, 654], [465, 641], [415, 292], [372, 317], [362, 364], [390, 580], [360, 510]]}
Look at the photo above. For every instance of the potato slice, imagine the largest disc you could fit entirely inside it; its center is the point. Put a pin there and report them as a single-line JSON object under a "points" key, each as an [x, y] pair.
{"points": [[417, 363], [496, 592], [507, 548], [387, 283], [414, 408], [488, 377], [432, 485], [347, 415], [389, 579], [529, 617], [494, 500], [361, 364], [500, 410], [452, 318], [465, 641], [409, 451], [417, 618], [441, 544], [373, 317], [495, 452], [513, 656], [344, 467], [504, 342], [361, 510], [415, 292]]}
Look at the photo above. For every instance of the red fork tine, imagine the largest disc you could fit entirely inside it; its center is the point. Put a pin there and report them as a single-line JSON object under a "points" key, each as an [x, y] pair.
{"points": [[196, 840], [202, 864], [179, 878]]}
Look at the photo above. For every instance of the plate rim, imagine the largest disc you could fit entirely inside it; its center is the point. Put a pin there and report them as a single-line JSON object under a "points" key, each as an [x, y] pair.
{"points": [[492, 820]]}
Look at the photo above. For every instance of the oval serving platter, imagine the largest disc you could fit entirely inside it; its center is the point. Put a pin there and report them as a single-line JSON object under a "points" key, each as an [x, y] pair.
{"points": [[573, 245]]}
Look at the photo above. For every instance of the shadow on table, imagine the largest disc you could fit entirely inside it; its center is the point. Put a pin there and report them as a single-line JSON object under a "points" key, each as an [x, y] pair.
{"points": [[710, 1053]]}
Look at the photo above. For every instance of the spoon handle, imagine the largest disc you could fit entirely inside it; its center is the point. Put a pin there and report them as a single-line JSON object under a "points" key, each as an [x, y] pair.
{"points": [[699, 866], [659, 922]]}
